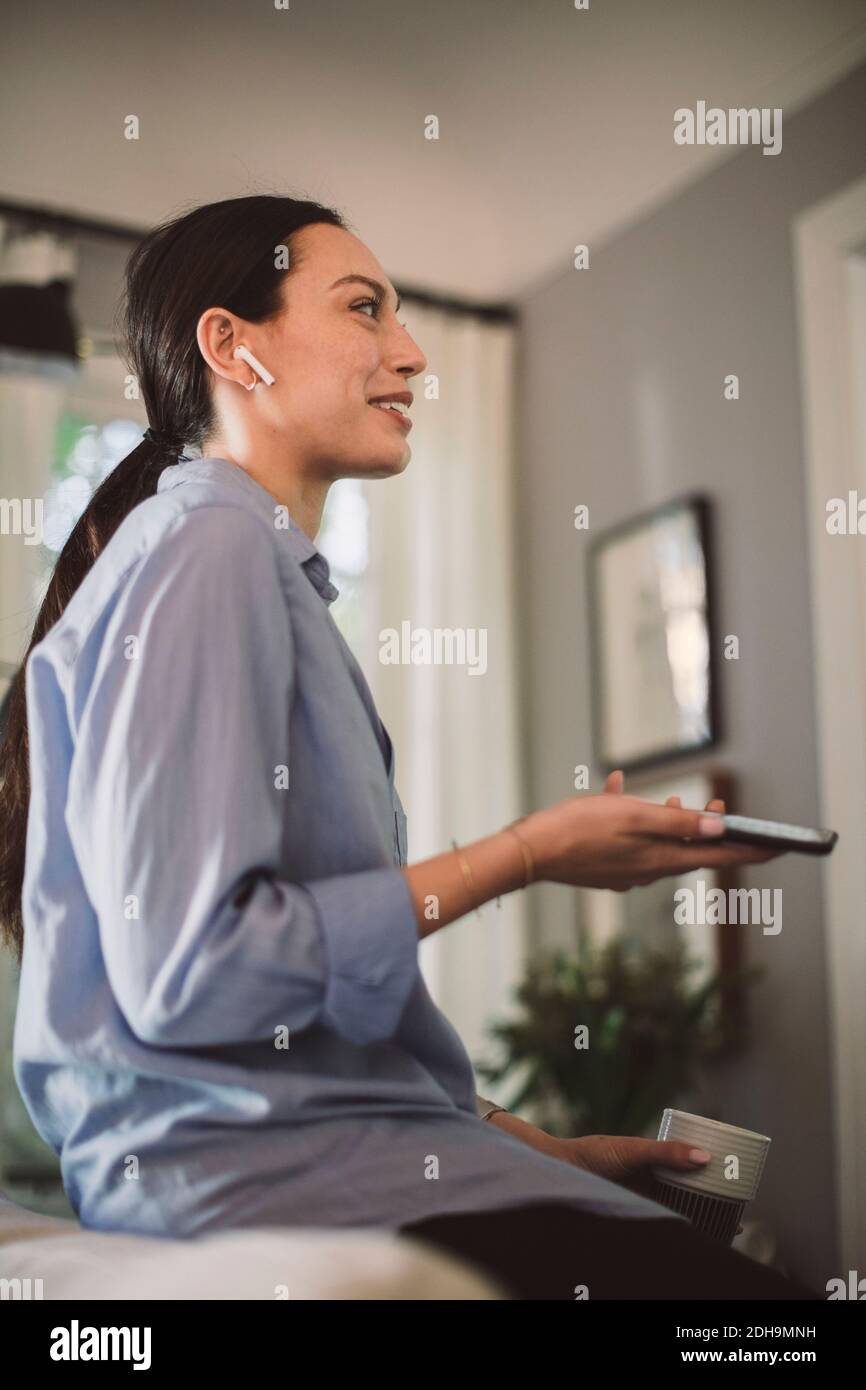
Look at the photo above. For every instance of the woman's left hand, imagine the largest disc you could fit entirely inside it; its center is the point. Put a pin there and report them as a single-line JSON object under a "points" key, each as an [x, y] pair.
{"points": [[626, 1160], [617, 1157]]}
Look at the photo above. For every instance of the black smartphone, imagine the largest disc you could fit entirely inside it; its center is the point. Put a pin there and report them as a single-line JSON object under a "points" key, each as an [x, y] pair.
{"points": [[771, 834]]}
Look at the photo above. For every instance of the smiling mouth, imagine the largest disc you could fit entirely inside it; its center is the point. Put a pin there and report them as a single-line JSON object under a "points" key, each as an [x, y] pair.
{"points": [[395, 411]]}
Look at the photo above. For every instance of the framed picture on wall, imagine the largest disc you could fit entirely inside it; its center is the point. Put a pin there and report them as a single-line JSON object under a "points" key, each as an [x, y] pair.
{"points": [[647, 918], [652, 637]]}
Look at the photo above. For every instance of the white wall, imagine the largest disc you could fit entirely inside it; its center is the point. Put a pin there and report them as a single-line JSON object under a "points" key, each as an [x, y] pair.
{"points": [[621, 408]]}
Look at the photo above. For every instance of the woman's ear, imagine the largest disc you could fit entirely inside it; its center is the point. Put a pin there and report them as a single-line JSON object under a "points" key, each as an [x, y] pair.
{"points": [[216, 337]]}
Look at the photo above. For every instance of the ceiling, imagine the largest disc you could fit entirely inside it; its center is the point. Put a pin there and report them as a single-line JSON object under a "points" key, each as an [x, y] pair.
{"points": [[555, 125]]}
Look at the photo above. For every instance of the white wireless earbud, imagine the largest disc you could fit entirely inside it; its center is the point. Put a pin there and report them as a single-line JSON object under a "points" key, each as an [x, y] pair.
{"points": [[262, 371]]}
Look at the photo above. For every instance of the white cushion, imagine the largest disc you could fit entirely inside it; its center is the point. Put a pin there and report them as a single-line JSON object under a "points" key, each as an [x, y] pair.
{"points": [[268, 1264]]}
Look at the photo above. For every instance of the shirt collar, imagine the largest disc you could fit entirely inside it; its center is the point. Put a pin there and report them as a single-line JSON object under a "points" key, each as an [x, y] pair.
{"points": [[311, 560]]}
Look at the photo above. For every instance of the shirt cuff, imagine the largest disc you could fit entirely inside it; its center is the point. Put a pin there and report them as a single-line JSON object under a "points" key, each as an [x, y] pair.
{"points": [[370, 932], [486, 1108]]}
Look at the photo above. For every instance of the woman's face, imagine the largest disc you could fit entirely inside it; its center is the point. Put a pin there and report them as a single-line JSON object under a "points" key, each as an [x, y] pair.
{"points": [[331, 352]]}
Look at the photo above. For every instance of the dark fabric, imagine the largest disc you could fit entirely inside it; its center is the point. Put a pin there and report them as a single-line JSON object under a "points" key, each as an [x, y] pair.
{"points": [[547, 1249]]}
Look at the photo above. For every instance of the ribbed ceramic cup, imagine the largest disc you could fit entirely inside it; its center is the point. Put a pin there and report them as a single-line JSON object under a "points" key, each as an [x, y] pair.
{"points": [[708, 1197]]}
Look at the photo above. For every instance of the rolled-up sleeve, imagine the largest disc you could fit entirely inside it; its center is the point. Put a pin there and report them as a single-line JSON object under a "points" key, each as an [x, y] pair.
{"points": [[174, 809], [485, 1108]]}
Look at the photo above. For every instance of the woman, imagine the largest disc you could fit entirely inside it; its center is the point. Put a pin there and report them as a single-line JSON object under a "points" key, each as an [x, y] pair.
{"points": [[221, 1017]]}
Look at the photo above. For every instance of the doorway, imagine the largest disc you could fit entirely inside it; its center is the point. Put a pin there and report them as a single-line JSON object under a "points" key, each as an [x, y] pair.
{"points": [[830, 254]]}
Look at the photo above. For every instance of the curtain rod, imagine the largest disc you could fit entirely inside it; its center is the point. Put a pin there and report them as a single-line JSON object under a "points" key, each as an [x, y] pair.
{"points": [[51, 219]]}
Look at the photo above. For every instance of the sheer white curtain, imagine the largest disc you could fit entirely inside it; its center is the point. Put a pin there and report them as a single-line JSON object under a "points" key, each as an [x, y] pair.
{"points": [[29, 411], [30, 405], [442, 542], [32, 390]]}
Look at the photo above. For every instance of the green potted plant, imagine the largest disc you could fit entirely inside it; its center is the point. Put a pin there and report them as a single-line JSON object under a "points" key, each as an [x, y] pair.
{"points": [[606, 1040]]}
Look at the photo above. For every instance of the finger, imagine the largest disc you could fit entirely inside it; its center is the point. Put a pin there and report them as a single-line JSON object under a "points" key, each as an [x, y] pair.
{"points": [[615, 782], [715, 805], [710, 856], [666, 1153], [674, 822]]}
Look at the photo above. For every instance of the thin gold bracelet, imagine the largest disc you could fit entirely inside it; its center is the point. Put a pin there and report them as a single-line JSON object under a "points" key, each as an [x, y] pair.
{"points": [[467, 874], [528, 860]]}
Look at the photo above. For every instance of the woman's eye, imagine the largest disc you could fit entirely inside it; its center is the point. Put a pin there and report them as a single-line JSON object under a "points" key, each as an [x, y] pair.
{"points": [[373, 302]]}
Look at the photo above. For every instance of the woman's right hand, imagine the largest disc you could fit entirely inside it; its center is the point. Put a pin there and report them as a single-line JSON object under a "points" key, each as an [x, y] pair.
{"points": [[620, 842]]}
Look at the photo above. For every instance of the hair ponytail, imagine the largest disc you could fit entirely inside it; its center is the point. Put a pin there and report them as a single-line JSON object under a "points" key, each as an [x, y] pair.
{"points": [[223, 254]]}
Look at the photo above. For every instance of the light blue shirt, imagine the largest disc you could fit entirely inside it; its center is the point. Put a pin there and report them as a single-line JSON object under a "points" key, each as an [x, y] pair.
{"points": [[221, 1020]]}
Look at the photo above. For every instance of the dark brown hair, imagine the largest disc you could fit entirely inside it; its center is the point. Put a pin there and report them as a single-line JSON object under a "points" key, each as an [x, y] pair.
{"points": [[225, 255]]}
